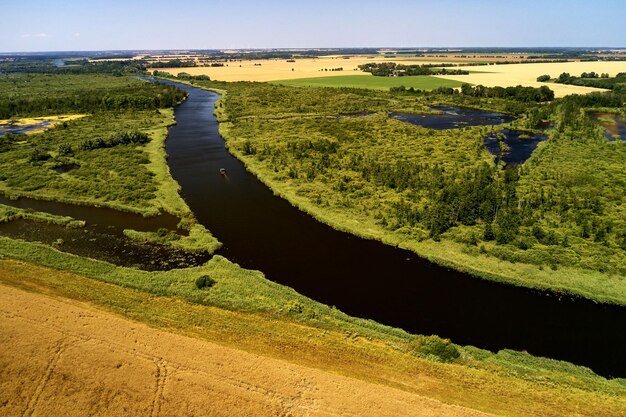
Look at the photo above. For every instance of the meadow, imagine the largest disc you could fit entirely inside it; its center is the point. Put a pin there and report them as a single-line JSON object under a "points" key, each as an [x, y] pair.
{"points": [[420, 82]]}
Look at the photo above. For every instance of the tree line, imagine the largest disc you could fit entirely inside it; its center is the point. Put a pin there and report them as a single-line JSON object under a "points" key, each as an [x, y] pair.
{"points": [[387, 69]]}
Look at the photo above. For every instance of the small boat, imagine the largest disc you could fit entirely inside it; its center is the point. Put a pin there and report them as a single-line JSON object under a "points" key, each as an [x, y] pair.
{"points": [[223, 171]]}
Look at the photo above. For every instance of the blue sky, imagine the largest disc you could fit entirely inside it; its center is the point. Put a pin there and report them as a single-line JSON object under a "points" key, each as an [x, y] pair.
{"points": [[46, 25]]}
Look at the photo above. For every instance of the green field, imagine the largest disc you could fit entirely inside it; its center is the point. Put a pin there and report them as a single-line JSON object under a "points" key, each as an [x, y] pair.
{"points": [[420, 82]]}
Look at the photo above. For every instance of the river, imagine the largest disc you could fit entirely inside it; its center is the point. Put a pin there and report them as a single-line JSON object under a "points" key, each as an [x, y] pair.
{"points": [[368, 279]]}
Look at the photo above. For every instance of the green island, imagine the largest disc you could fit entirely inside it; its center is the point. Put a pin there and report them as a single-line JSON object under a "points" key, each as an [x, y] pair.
{"points": [[337, 155]]}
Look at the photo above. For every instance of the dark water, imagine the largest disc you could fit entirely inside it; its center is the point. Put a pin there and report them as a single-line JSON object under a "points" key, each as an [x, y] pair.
{"points": [[617, 128], [62, 169], [104, 219], [103, 237], [365, 278], [519, 149], [453, 118], [19, 130], [92, 242]]}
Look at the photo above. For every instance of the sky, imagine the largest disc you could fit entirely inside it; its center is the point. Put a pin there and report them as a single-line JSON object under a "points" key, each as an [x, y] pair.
{"points": [[77, 25]]}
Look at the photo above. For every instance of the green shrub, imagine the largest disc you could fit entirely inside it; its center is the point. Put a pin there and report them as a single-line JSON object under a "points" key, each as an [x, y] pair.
{"points": [[65, 150], [37, 155], [204, 281], [434, 346]]}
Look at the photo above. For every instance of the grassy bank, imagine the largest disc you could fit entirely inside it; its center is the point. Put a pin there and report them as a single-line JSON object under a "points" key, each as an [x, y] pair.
{"points": [[198, 239], [8, 214], [508, 382], [116, 155], [478, 261]]}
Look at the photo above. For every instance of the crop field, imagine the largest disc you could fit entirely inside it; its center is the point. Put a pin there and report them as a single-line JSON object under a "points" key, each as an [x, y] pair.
{"points": [[526, 75], [281, 69], [83, 359], [311, 71], [420, 82]]}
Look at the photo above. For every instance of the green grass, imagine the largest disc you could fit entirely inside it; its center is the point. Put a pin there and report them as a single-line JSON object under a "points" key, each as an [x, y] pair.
{"points": [[9, 214], [420, 82]]}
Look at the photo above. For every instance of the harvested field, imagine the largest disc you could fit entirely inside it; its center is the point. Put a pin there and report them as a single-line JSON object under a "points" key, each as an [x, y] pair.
{"points": [[526, 75], [66, 358]]}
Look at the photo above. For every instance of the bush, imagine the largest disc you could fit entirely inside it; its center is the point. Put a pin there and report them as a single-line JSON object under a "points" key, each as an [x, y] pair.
{"points": [[204, 281], [434, 346], [65, 150], [38, 155]]}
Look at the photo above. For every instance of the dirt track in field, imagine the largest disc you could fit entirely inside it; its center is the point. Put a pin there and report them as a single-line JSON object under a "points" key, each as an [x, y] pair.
{"points": [[63, 358]]}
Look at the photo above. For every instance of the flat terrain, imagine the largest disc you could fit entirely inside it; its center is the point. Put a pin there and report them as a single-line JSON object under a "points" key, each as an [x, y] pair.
{"points": [[421, 82], [526, 74], [488, 75], [66, 358], [280, 69]]}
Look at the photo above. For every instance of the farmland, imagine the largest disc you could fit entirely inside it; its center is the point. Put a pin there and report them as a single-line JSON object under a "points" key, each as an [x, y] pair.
{"points": [[420, 82], [310, 71], [526, 74]]}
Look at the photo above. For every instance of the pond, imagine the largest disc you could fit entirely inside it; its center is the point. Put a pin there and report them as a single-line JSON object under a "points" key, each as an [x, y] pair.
{"points": [[518, 146], [453, 118], [613, 125], [102, 237]]}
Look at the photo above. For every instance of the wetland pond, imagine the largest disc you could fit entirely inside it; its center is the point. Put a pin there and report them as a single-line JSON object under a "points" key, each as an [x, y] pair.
{"points": [[453, 118], [613, 125], [518, 146], [22, 129], [366, 278], [102, 237]]}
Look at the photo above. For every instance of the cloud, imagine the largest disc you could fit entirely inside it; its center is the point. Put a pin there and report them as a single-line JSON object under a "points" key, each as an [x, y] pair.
{"points": [[35, 35], [76, 35]]}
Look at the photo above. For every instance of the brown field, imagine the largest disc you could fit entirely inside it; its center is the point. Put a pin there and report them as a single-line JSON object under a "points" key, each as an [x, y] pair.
{"points": [[62, 358], [526, 74]]}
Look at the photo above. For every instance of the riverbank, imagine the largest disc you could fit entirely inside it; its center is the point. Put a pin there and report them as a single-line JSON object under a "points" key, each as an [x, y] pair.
{"points": [[311, 335]]}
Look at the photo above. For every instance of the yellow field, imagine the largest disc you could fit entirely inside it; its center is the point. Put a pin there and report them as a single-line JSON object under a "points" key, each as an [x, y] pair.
{"points": [[280, 69], [526, 74], [488, 75], [82, 361]]}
